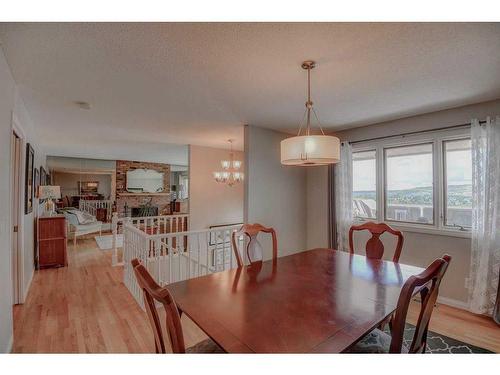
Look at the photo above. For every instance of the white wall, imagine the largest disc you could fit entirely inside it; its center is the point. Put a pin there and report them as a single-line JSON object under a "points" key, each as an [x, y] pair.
{"points": [[11, 105], [63, 163], [317, 207], [275, 195], [419, 249], [212, 203], [29, 223], [429, 121]]}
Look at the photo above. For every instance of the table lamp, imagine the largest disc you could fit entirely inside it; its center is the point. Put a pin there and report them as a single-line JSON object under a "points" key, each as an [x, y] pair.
{"points": [[50, 193]]}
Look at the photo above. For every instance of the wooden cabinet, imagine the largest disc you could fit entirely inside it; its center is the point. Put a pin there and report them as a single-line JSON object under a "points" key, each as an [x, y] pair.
{"points": [[101, 214], [52, 235]]}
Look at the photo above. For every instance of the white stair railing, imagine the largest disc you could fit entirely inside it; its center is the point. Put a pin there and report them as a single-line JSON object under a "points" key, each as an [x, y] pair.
{"points": [[91, 207], [148, 224], [173, 257]]}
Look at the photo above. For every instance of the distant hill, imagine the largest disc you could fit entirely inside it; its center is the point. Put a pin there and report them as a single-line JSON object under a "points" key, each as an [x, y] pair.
{"points": [[458, 196]]}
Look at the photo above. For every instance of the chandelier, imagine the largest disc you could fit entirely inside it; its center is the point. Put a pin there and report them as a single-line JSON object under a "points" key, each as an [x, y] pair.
{"points": [[308, 149], [230, 174]]}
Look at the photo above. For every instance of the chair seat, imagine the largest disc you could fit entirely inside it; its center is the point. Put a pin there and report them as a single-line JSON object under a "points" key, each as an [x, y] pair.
{"points": [[95, 226], [205, 347], [375, 342]]}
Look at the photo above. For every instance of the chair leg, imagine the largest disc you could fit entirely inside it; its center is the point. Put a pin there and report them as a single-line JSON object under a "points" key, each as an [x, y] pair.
{"points": [[74, 240]]}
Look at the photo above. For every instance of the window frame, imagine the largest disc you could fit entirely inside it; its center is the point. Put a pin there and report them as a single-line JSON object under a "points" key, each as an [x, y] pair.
{"points": [[445, 186], [361, 218], [437, 139], [384, 149]]}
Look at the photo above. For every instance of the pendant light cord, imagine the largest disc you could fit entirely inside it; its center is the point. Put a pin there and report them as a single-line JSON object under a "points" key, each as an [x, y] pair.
{"points": [[308, 103], [309, 84], [231, 155], [309, 107]]}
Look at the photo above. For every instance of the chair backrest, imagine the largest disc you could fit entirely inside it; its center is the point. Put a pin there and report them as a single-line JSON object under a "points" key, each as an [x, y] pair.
{"points": [[65, 201], [429, 281], [153, 292], [253, 249], [374, 247]]}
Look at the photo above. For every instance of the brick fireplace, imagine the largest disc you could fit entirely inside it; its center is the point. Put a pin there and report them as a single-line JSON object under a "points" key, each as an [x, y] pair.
{"points": [[159, 201]]}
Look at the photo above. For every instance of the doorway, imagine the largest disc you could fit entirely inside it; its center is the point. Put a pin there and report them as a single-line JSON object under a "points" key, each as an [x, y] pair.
{"points": [[16, 173]]}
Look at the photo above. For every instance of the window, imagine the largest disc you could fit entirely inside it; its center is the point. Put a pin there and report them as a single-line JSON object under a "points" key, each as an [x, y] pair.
{"points": [[364, 184], [409, 184], [458, 184], [419, 182]]}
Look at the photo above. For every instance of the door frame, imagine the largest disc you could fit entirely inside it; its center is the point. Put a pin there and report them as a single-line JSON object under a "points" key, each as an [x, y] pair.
{"points": [[17, 255]]}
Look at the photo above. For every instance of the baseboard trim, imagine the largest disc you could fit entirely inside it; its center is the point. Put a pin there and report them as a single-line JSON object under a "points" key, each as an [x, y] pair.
{"points": [[10, 345], [27, 288], [453, 303]]}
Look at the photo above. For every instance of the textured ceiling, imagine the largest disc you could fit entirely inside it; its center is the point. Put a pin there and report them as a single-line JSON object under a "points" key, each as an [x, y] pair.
{"points": [[154, 84]]}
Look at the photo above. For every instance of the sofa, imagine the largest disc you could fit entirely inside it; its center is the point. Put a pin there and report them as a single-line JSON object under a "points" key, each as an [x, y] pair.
{"points": [[81, 223]]}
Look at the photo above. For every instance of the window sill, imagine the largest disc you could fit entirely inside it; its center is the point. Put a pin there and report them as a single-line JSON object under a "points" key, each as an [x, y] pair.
{"points": [[432, 230], [404, 227]]}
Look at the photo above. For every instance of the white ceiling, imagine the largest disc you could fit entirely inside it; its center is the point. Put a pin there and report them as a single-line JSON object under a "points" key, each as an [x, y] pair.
{"points": [[154, 84]]}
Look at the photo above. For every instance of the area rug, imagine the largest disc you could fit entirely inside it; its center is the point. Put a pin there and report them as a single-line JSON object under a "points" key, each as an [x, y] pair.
{"points": [[106, 242], [440, 344]]}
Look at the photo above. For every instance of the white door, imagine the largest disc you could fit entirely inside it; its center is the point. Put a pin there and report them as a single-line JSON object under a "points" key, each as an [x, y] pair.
{"points": [[16, 216]]}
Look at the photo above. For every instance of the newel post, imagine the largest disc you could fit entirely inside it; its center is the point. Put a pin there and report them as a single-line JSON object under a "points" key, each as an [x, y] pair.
{"points": [[114, 229]]}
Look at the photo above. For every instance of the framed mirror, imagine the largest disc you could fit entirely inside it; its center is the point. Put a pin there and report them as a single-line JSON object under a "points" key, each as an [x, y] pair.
{"points": [[144, 181]]}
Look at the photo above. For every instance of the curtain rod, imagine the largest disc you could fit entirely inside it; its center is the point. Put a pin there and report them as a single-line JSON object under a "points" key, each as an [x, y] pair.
{"points": [[415, 132]]}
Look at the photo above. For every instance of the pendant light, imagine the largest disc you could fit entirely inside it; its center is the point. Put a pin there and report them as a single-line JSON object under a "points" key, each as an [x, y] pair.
{"points": [[308, 149]]}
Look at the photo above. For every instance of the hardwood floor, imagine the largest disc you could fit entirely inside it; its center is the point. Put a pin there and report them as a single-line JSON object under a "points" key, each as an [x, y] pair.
{"points": [[461, 325], [85, 308]]}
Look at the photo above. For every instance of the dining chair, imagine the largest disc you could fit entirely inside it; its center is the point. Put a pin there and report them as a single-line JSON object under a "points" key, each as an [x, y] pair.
{"points": [[427, 282], [374, 246], [153, 292], [253, 248]]}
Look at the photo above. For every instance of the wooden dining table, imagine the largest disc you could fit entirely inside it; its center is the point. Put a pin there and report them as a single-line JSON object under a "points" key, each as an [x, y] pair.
{"points": [[320, 300]]}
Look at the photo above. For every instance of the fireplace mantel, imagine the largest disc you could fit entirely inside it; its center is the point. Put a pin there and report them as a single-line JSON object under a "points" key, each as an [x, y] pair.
{"points": [[143, 194]]}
